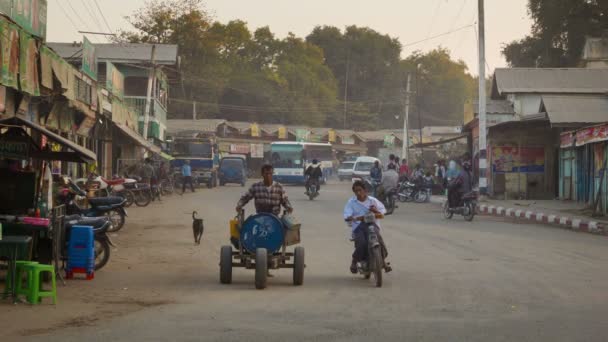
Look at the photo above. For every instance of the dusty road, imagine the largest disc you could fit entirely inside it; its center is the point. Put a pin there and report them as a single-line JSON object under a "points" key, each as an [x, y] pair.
{"points": [[488, 280]]}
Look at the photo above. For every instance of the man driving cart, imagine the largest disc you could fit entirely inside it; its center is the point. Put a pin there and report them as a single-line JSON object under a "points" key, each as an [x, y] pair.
{"points": [[268, 195]]}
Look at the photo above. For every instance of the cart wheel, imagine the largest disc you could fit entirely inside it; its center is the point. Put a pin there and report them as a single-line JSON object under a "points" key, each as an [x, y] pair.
{"points": [[226, 265], [298, 266], [261, 268]]}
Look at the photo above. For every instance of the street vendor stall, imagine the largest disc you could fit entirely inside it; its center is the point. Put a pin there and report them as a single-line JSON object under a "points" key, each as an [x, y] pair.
{"points": [[26, 198]]}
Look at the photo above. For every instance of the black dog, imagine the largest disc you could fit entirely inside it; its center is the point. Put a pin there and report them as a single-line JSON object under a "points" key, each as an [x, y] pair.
{"points": [[197, 228]]}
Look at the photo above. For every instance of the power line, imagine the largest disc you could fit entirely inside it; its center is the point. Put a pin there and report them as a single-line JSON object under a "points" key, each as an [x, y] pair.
{"points": [[102, 15], [86, 6], [432, 22], [458, 15], [437, 36], [66, 15]]}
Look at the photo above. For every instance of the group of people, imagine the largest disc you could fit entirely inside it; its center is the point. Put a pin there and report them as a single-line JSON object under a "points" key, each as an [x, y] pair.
{"points": [[270, 196]]}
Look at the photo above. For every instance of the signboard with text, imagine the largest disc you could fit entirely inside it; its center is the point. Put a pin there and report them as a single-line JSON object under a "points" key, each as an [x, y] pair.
{"points": [[12, 148], [89, 59], [29, 14], [510, 159], [115, 80]]}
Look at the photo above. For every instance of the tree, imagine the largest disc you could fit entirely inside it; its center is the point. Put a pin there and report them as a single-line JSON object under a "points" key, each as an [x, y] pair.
{"points": [[370, 62], [442, 87], [558, 33]]}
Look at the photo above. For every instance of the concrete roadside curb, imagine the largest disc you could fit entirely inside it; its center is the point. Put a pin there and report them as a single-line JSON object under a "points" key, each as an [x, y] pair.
{"points": [[575, 224]]}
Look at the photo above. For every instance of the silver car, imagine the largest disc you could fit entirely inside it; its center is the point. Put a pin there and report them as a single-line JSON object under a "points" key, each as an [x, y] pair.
{"points": [[345, 170]]}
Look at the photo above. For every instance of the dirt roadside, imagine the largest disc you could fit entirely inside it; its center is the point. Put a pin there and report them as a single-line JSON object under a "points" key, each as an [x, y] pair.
{"points": [[155, 251]]}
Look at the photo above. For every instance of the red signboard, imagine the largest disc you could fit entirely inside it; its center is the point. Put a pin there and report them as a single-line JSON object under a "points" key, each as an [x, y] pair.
{"points": [[566, 139], [591, 134], [239, 148]]}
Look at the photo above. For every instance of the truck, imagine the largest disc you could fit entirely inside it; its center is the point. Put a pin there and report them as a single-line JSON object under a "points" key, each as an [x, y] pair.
{"points": [[202, 152]]}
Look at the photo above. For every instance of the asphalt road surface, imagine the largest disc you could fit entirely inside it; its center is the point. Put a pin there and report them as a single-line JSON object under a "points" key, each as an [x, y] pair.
{"points": [[488, 280]]}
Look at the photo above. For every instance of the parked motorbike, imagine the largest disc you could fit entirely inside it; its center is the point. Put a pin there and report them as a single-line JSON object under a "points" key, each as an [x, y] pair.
{"points": [[374, 265], [112, 207], [101, 226], [142, 193], [411, 192], [467, 207], [313, 190]]}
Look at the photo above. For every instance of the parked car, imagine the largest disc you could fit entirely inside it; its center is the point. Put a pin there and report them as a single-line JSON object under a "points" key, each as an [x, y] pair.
{"points": [[233, 169], [345, 170]]}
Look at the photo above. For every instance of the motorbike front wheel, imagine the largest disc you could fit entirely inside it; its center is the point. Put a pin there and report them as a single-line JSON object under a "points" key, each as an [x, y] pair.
{"points": [[102, 253], [117, 218], [447, 213], [421, 196], [142, 198], [128, 196]]}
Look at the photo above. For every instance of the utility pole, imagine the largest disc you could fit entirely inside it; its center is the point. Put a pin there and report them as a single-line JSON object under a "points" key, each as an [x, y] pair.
{"points": [[421, 161], [405, 151], [193, 110], [151, 77], [346, 87], [483, 182]]}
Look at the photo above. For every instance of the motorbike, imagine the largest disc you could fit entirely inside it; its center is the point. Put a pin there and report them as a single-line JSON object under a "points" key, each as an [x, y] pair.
{"points": [[467, 207], [411, 192], [101, 226], [112, 207], [313, 190], [109, 187], [142, 192], [390, 200], [374, 265]]}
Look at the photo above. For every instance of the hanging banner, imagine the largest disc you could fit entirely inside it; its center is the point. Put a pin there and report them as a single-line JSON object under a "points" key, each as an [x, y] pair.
{"points": [[302, 135], [89, 59], [566, 140], [240, 148], [30, 15], [282, 132], [28, 66], [331, 136], [85, 126], [255, 130], [389, 140], [9, 42], [46, 67], [115, 80], [591, 135], [2, 99], [508, 159], [257, 151], [348, 140]]}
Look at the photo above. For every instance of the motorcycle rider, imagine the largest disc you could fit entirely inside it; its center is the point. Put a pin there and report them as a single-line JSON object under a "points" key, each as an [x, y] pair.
{"points": [[356, 207], [313, 174], [375, 174], [460, 185], [268, 195], [390, 180]]}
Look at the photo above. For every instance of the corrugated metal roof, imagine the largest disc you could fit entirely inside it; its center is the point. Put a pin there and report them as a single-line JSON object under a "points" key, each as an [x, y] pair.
{"points": [[175, 126], [119, 52], [549, 80], [563, 109]]}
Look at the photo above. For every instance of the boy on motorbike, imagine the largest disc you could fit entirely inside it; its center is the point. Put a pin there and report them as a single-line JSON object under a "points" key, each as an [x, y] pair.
{"points": [[460, 185], [313, 174], [358, 206], [375, 175], [390, 180]]}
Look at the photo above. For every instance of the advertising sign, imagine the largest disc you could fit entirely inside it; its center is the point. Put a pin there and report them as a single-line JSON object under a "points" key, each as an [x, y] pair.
{"points": [[240, 148], [389, 140], [9, 42], [591, 135], [509, 159], [29, 14], [255, 130], [331, 136], [28, 65], [566, 140], [257, 151], [282, 132], [115, 80], [14, 148], [89, 59], [302, 135]]}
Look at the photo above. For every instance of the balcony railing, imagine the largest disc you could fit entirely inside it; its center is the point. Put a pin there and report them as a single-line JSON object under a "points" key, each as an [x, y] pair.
{"points": [[138, 104]]}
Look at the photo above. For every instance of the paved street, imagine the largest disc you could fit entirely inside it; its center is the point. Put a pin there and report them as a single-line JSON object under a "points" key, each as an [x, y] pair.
{"points": [[488, 280]]}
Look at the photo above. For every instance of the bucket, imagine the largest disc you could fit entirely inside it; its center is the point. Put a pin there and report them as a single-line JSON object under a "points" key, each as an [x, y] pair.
{"points": [[290, 222]]}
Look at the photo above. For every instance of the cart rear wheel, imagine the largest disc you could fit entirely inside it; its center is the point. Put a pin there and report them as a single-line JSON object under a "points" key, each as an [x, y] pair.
{"points": [[261, 268], [298, 266], [226, 265]]}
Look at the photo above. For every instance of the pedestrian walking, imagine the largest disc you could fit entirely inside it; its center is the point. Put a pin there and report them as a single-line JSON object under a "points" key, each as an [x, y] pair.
{"points": [[187, 176]]}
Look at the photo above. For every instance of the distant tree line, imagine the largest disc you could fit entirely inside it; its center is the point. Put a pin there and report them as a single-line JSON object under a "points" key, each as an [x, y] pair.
{"points": [[236, 74]]}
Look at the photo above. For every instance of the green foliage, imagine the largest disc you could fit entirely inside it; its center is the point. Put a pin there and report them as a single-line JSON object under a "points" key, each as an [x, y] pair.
{"points": [[233, 73], [558, 33]]}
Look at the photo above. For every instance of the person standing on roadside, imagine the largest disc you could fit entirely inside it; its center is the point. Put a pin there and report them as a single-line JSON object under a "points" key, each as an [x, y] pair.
{"points": [[187, 176]]}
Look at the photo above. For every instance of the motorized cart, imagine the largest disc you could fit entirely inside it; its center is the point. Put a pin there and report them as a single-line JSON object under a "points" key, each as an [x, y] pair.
{"points": [[261, 243]]}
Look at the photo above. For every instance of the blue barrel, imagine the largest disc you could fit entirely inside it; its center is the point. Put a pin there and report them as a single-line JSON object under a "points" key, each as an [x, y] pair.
{"points": [[262, 231]]}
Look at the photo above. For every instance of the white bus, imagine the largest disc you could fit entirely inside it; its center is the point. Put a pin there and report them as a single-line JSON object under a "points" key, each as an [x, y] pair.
{"points": [[290, 160]]}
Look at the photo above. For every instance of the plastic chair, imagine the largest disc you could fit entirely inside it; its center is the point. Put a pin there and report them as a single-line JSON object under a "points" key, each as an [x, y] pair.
{"points": [[35, 293]]}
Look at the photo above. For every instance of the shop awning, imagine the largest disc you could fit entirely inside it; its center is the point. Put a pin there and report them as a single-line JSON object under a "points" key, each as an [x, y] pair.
{"points": [[138, 138], [440, 142], [77, 153], [166, 156]]}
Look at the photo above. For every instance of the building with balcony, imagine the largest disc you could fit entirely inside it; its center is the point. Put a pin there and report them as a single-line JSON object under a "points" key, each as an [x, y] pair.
{"points": [[126, 70]]}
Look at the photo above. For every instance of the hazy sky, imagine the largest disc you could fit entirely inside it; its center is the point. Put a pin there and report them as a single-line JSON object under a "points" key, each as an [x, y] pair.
{"points": [[408, 20]]}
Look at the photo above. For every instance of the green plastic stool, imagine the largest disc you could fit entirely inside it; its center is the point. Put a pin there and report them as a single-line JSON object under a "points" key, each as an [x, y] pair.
{"points": [[20, 269], [35, 292], [19, 290]]}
